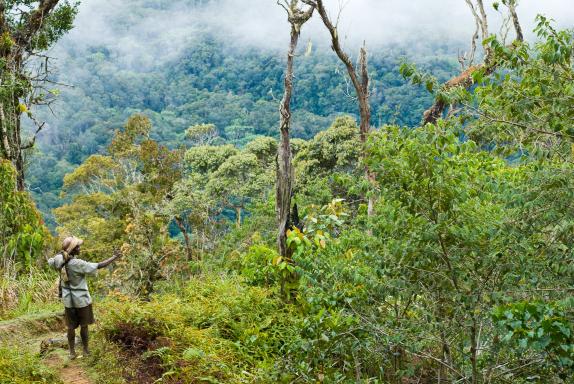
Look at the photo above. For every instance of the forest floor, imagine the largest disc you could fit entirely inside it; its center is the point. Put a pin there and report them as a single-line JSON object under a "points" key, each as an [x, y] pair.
{"points": [[44, 334]]}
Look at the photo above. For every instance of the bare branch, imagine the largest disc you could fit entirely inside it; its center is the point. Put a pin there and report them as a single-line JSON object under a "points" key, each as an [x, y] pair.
{"points": [[283, 4], [39, 128], [336, 46], [512, 9], [465, 80], [483, 19], [476, 32]]}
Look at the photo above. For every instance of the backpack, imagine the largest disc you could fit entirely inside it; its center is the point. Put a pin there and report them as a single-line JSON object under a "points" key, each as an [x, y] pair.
{"points": [[63, 272]]}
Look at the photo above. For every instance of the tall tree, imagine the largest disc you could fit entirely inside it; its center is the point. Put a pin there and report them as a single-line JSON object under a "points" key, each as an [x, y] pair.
{"points": [[359, 78], [27, 28], [297, 16], [117, 200]]}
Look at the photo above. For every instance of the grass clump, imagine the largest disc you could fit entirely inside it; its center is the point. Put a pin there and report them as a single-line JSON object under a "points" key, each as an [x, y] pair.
{"points": [[27, 294], [20, 367]]}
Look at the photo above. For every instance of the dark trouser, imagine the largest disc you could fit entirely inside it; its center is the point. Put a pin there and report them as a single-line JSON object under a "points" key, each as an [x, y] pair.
{"points": [[81, 317]]}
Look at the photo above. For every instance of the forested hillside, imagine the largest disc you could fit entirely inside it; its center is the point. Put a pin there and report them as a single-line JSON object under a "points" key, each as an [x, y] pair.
{"points": [[325, 212], [236, 89]]}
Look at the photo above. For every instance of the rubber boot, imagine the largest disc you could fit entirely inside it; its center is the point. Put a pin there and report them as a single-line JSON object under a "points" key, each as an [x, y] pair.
{"points": [[85, 339], [72, 343]]}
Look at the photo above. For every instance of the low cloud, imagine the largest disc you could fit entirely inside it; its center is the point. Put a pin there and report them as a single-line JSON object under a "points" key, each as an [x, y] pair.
{"points": [[143, 33], [379, 22]]}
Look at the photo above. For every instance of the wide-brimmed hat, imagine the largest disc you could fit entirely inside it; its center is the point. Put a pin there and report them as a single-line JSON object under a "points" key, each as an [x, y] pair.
{"points": [[70, 243]]}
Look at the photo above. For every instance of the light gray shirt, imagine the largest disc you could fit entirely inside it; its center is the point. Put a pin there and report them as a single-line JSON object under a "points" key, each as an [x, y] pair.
{"points": [[75, 293]]}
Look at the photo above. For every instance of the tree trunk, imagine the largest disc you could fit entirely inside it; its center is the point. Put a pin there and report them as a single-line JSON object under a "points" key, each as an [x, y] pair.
{"points": [[365, 109], [515, 21], [19, 151], [473, 353], [363, 95], [11, 142], [238, 217], [285, 172], [360, 82], [183, 230], [4, 139], [10, 125]]}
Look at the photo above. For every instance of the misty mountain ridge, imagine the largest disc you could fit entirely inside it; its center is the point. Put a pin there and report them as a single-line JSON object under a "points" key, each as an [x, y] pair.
{"points": [[193, 74]]}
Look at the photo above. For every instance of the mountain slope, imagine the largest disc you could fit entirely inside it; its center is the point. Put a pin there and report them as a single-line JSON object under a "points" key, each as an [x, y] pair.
{"points": [[237, 89]]}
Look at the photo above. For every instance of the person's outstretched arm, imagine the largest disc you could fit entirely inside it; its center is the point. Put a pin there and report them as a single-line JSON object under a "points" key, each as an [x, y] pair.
{"points": [[107, 262]]}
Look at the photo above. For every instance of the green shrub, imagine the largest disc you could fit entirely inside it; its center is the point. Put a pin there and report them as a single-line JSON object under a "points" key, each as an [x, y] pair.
{"points": [[257, 265], [22, 232], [539, 328], [215, 329]]}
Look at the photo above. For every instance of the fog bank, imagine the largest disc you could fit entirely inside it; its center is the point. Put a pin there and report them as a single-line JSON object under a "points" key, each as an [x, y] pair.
{"points": [[143, 33]]}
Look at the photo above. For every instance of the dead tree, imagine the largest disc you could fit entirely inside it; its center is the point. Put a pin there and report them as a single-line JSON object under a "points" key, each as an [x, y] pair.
{"points": [[359, 78], [297, 16], [465, 79], [25, 30]]}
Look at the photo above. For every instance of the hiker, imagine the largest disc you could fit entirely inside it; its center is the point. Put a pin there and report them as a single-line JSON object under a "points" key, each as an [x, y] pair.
{"points": [[74, 290]]}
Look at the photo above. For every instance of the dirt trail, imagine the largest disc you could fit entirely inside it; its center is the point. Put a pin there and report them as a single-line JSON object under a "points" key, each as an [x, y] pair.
{"points": [[70, 372], [74, 375], [28, 332]]}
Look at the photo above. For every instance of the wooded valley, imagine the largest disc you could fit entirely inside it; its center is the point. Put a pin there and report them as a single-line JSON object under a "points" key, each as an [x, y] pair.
{"points": [[324, 213]]}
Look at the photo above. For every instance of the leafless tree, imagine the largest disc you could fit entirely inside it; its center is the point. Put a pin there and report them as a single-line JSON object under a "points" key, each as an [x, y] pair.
{"points": [[359, 78], [297, 16]]}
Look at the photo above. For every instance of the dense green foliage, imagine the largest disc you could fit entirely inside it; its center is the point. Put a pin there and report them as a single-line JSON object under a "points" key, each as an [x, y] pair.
{"points": [[237, 90], [528, 102], [458, 276], [462, 274], [543, 328], [116, 200], [448, 247], [22, 232]]}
